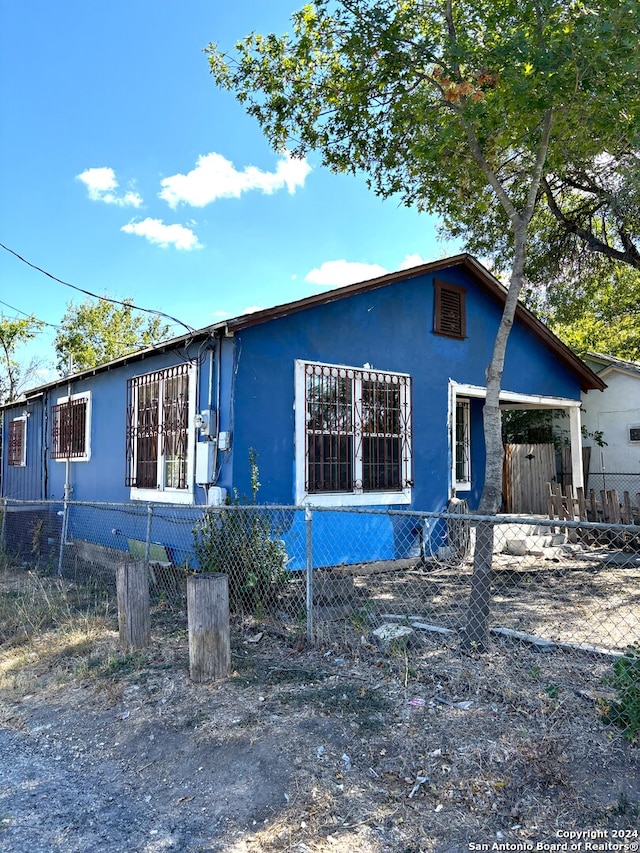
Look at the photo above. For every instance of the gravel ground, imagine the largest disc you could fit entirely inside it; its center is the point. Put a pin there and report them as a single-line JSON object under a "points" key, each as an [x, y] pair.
{"points": [[352, 748], [74, 782], [46, 804]]}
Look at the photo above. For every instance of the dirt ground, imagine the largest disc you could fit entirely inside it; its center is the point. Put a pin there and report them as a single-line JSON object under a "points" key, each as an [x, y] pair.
{"points": [[412, 747], [587, 596]]}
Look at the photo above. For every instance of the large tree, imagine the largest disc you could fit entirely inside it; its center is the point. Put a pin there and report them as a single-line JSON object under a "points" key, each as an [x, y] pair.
{"points": [[597, 202], [585, 286], [601, 314], [588, 212], [460, 107], [99, 330], [15, 375]]}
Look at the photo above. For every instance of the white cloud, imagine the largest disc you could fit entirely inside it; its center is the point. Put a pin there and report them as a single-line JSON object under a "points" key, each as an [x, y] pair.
{"points": [[102, 185], [414, 260], [216, 177], [156, 232], [251, 309], [339, 273]]}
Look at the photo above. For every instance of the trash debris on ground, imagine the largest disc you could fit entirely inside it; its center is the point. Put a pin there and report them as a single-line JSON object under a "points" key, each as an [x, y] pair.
{"points": [[463, 706], [420, 781]]}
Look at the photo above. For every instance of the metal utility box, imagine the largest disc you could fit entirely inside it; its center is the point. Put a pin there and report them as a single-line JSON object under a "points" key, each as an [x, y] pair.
{"points": [[205, 462]]}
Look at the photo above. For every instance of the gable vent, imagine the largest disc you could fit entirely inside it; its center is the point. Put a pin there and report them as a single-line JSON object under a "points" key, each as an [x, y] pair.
{"points": [[449, 310]]}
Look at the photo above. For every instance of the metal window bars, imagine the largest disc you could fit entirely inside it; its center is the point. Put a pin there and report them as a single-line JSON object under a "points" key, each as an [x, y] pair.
{"points": [[358, 430], [157, 428], [69, 429], [17, 429]]}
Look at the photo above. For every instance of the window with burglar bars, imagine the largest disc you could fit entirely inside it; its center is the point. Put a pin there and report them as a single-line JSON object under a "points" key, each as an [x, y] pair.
{"points": [[357, 430], [463, 444], [17, 442], [69, 428], [158, 429]]}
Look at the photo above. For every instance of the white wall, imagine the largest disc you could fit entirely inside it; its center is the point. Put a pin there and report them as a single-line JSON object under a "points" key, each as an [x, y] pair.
{"points": [[614, 411]]}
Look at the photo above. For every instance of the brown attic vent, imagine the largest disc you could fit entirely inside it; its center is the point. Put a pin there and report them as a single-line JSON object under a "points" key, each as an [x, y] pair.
{"points": [[449, 316]]}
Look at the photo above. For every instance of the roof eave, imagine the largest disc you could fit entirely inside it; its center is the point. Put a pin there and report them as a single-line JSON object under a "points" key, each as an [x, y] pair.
{"points": [[589, 380]]}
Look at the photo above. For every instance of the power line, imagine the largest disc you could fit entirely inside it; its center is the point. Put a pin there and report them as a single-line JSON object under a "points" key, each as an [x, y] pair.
{"points": [[95, 295], [24, 313], [138, 342]]}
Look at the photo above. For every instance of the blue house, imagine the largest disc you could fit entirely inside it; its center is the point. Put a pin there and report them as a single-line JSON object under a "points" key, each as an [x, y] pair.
{"points": [[369, 395]]}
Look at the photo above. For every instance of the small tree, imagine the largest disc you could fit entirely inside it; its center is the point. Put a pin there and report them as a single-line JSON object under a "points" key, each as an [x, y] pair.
{"points": [[239, 541], [97, 331], [15, 376]]}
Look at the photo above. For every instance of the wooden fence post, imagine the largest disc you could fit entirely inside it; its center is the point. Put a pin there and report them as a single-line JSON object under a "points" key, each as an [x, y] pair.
{"points": [[582, 504], [208, 621], [134, 617], [572, 533]]}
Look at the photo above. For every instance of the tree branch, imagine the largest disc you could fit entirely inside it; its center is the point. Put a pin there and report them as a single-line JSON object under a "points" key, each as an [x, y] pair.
{"points": [[630, 255]]}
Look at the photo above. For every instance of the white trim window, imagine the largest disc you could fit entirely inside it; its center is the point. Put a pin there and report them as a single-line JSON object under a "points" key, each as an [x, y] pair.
{"points": [[17, 455], [71, 428], [634, 434], [462, 445], [160, 434], [353, 436]]}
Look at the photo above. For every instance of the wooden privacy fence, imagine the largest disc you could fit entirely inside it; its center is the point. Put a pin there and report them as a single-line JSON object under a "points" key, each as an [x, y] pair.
{"points": [[604, 506], [527, 471], [527, 467]]}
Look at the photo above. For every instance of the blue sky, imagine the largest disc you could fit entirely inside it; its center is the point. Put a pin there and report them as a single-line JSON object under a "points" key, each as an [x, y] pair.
{"points": [[126, 172]]}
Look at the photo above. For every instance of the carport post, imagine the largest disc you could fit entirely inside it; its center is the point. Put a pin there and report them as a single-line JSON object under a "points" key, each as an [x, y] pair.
{"points": [[308, 520], [575, 430]]}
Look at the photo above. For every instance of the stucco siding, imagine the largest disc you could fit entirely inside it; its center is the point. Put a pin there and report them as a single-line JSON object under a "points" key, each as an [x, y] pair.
{"points": [[614, 412], [250, 386], [390, 329], [24, 482]]}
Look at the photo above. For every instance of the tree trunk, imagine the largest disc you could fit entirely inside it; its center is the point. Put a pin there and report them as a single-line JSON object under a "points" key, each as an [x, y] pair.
{"points": [[476, 631]]}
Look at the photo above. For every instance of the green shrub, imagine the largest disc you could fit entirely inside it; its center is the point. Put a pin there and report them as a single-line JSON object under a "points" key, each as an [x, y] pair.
{"points": [[625, 710], [239, 541]]}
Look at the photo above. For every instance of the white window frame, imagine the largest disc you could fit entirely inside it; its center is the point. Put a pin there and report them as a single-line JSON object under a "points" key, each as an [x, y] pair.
{"points": [[462, 404], [23, 459], [170, 495], [86, 456], [629, 428], [357, 497]]}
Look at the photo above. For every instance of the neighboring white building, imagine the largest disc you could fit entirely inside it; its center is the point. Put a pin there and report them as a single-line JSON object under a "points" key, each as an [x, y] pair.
{"points": [[614, 412]]}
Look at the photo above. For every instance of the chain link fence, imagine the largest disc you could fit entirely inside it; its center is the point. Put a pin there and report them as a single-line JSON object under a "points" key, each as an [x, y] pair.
{"points": [[561, 582], [605, 481], [558, 596]]}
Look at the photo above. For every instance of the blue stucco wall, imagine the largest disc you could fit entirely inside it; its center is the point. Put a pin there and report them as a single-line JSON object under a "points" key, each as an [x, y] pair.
{"points": [[390, 328], [102, 477], [252, 388], [25, 482]]}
